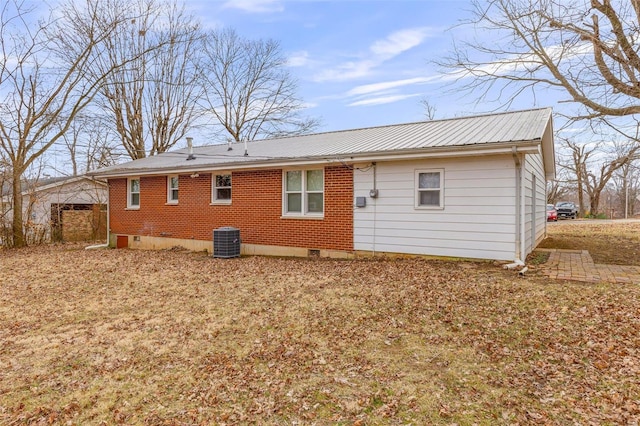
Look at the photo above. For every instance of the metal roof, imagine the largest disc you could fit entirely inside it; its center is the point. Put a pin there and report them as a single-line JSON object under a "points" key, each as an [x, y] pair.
{"points": [[451, 134]]}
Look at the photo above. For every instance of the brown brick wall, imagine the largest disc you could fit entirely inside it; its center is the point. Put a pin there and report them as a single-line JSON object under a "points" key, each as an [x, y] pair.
{"points": [[84, 225], [76, 225], [256, 210]]}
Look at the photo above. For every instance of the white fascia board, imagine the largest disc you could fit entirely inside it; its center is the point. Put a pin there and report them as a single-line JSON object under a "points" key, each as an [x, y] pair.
{"points": [[548, 152], [432, 152]]}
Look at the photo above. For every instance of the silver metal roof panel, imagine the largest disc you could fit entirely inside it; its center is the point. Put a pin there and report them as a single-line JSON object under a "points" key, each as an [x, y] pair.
{"points": [[479, 130]]}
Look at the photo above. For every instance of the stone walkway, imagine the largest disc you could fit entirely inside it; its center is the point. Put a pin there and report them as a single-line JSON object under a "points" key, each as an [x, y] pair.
{"points": [[577, 265]]}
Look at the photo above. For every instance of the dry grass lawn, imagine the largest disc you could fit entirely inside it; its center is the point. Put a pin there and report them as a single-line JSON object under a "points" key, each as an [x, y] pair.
{"points": [[610, 242], [177, 338]]}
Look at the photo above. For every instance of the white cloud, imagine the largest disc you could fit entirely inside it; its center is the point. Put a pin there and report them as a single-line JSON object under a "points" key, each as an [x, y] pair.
{"points": [[366, 89], [524, 62], [399, 42], [298, 59], [382, 100], [573, 130], [255, 6], [346, 71], [385, 92], [379, 52]]}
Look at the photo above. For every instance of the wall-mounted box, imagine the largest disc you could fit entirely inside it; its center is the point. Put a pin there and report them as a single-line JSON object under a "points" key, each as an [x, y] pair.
{"points": [[361, 201]]}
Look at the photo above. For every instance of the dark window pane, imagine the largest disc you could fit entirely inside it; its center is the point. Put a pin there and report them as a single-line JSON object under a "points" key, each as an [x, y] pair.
{"points": [[429, 198], [223, 180], [223, 194]]}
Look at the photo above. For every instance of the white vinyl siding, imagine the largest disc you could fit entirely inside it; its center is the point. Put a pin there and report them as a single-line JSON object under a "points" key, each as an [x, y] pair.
{"points": [[533, 167], [477, 219]]}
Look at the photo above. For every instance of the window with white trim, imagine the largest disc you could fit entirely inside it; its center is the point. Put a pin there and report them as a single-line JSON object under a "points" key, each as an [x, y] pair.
{"points": [[221, 189], [133, 193], [173, 182], [303, 193], [429, 185]]}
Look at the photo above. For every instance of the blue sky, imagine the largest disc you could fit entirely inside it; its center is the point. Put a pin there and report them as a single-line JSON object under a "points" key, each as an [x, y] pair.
{"points": [[358, 63]]}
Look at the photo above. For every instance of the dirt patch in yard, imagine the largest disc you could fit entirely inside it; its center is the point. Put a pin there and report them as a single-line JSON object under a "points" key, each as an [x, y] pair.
{"points": [[169, 337], [608, 242]]}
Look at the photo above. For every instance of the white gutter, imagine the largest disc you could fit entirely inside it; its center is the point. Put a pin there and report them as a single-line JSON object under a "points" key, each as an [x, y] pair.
{"points": [[97, 246]]}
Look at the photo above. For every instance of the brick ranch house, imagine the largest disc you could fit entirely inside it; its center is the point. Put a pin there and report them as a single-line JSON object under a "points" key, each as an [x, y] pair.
{"points": [[472, 187]]}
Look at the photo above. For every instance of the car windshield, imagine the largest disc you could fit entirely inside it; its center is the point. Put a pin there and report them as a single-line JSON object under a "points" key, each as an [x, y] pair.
{"points": [[565, 204], [550, 207]]}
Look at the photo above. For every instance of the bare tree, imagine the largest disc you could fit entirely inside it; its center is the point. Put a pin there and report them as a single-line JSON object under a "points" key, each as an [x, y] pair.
{"points": [[90, 144], [587, 49], [152, 101], [428, 108], [597, 177], [5, 205], [627, 180], [576, 166], [44, 73], [100, 150], [248, 90], [558, 190]]}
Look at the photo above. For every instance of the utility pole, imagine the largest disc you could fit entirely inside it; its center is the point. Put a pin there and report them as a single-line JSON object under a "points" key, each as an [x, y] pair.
{"points": [[626, 198]]}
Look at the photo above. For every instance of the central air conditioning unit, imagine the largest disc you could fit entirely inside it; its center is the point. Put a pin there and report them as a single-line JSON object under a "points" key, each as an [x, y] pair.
{"points": [[226, 242]]}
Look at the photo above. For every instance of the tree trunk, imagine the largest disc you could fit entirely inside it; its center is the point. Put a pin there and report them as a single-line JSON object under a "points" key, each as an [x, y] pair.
{"points": [[580, 196], [594, 200], [17, 224], [581, 175]]}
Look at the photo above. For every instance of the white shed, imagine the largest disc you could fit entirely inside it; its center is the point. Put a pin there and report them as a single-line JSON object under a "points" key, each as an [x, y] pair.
{"points": [[61, 208]]}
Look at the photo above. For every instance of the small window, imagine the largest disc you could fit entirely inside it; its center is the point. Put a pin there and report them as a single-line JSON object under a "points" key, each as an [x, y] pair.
{"points": [[172, 189], [429, 189], [222, 189], [133, 193], [303, 193]]}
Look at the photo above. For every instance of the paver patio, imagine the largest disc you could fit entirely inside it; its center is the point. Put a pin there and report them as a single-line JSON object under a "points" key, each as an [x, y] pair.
{"points": [[577, 265]]}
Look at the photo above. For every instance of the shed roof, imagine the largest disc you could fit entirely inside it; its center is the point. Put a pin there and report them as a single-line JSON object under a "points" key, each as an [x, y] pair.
{"points": [[450, 135], [38, 184]]}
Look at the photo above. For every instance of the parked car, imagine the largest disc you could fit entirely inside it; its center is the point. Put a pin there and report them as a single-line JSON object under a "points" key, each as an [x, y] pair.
{"points": [[567, 210], [552, 213]]}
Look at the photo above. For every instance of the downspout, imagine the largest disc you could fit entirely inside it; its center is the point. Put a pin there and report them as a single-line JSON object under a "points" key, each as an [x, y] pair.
{"points": [[374, 195], [518, 164]]}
